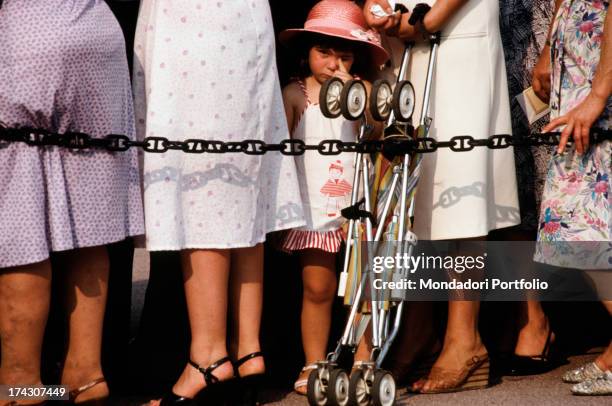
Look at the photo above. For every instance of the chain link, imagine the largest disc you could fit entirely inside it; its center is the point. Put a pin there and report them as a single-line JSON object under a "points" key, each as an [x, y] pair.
{"points": [[393, 145]]}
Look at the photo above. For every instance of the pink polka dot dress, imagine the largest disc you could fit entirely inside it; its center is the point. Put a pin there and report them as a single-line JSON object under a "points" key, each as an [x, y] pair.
{"points": [[63, 67], [206, 69]]}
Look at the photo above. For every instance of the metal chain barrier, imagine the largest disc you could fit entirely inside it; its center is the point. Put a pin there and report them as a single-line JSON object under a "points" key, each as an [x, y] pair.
{"points": [[394, 145]]}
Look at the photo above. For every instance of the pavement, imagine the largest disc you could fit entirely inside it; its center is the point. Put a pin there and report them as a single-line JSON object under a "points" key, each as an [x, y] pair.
{"points": [[541, 390]]}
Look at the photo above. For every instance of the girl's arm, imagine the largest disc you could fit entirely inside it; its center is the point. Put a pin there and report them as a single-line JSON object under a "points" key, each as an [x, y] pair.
{"points": [[579, 120], [289, 104]]}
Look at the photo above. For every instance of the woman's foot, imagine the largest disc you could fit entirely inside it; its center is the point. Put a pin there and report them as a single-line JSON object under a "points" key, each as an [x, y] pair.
{"points": [[535, 350], [301, 383], [85, 385], [532, 338], [455, 355], [599, 386], [192, 381], [252, 363]]}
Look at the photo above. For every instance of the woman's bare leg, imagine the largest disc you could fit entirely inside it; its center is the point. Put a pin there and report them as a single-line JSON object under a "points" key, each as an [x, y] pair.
{"points": [[25, 294], [84, 273], [246, 293], [604, 361], [534, 329], [205, 274], [462, 339]]}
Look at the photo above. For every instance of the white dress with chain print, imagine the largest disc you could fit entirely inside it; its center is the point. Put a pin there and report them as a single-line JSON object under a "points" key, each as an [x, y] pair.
{"points": [[206, 69]]}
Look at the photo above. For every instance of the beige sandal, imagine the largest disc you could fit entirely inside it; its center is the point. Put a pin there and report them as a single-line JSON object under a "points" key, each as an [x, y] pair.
{"points": [[300, 383], [91, 402], [474, 375]]}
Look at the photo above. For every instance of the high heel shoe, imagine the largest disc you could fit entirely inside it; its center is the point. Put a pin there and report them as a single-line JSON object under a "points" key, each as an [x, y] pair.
{"points": [[73, 394], [474, 375], [521, 365], [247, 391], [208, 395]]}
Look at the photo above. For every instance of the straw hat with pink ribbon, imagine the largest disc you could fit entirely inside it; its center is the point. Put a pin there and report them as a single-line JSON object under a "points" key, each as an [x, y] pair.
{"points": [[340, 19]]}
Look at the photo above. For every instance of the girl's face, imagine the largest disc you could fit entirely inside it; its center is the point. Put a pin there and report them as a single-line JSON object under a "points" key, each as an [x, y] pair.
{"points": [[324, 62]]}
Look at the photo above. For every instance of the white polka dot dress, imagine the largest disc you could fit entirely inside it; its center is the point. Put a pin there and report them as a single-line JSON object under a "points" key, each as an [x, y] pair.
{"points": [[206, 69]]}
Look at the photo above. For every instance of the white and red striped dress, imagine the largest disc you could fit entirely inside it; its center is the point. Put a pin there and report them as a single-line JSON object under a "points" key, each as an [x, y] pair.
{"points": [[325, 181]]}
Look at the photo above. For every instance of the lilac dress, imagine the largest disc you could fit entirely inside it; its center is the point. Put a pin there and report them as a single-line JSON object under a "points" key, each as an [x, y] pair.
{"points": [[63, 68]]}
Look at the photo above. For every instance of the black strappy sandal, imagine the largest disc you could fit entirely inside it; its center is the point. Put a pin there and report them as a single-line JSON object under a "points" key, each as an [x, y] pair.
{"points": [[247, 393], [208, 395], [549, 359]]}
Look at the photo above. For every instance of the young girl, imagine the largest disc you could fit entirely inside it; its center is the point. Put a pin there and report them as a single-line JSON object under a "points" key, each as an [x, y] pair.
{"points": [[335, 35]]}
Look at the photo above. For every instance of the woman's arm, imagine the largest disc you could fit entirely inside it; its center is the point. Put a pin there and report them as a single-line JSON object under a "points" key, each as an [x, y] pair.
{"points": [[540, 76], [580, 119], [397, 25], [440, 13]]}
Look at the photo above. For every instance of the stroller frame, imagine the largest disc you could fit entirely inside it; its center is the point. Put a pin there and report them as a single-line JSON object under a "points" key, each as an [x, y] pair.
{"points": [[368, 383]]}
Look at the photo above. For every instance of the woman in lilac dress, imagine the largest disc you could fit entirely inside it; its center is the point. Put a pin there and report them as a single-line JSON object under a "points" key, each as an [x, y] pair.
{"points": [[63, 68]]}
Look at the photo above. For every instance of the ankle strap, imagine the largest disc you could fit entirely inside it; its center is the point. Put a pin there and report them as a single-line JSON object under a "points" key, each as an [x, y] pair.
{"points": [[248, 357], [209, 378], [76, 392], [244, 359]]}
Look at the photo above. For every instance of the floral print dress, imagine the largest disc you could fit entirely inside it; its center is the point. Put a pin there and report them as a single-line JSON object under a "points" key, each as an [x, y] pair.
{"points": [[576, 214]]}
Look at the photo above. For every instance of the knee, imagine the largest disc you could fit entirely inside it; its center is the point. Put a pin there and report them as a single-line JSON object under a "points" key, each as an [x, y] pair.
{"points": [[319, 293]]}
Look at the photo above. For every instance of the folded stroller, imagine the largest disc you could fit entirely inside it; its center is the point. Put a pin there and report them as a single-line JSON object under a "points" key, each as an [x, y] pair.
{"points": [[385, 212]]}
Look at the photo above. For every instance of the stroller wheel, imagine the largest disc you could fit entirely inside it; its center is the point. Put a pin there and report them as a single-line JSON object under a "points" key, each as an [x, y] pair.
{"points": [[383, 389], [381, 100], [338, 388], [403, 101], [329, 97], [316, 390], [358, 389], [353, 99]]}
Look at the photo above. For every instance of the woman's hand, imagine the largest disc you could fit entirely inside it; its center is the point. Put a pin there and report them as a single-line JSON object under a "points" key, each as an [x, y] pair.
{"points": [[578, 122], [540, 80], [387, 24]]}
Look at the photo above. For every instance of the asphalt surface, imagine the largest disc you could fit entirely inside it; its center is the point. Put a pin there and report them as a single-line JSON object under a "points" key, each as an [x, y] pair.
{"points": [[541, 390]]}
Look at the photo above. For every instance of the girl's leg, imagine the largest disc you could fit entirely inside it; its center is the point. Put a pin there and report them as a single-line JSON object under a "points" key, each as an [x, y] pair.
{"points": [[205, 274], [25, 293], [85, 280], [364, 348], [246, 292], [319, 279]]}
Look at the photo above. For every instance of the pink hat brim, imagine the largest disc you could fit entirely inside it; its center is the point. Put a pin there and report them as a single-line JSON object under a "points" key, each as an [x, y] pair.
{"points": [[378, 53]]}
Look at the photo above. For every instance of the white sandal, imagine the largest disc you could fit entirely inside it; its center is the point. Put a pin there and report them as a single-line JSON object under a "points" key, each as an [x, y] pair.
{"points": [[303, 382]]}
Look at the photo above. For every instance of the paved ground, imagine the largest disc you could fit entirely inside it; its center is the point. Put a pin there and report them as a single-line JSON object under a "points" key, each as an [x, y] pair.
{"points": [[542, 390]]}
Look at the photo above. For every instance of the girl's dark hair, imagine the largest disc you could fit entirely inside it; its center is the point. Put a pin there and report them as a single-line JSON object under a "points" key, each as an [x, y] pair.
{"points": [[302, 45]]}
